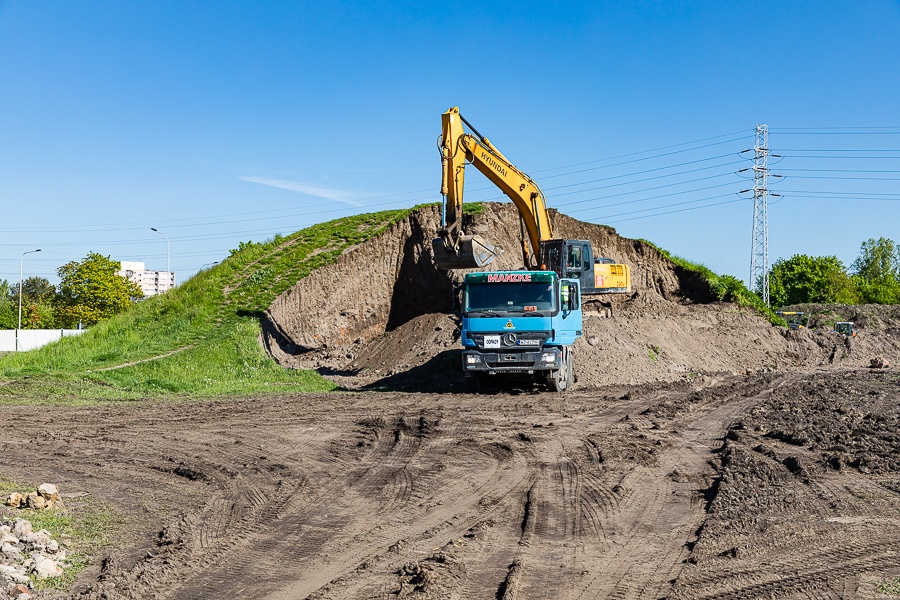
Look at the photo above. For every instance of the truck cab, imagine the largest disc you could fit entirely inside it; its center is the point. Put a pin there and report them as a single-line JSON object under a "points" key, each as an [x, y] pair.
{"points": [[521, 322]]}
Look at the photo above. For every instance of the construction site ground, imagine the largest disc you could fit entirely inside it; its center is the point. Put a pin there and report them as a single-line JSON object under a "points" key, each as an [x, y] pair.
{"points": [[703, 453]]}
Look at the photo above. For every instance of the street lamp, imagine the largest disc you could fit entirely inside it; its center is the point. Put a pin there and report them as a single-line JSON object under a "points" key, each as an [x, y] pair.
{"points": [[19, 326], [168, 254], [167, 246]]}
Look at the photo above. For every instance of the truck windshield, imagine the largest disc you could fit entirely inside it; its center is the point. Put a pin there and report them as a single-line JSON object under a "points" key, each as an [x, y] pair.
{"points": [[510, 297]]}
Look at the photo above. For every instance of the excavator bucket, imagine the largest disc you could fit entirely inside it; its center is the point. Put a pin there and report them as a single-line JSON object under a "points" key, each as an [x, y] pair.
{"points": [[471, 253]]}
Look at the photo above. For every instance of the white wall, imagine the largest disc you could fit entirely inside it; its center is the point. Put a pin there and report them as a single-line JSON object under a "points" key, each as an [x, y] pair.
{"points": [[29, 339]]}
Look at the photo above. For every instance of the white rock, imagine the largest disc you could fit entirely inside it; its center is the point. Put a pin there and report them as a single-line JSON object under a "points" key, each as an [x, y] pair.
{"points": [[4, 529], [10, 550], [53, 546], [22, 527], [8, 538], [49, 491], [41, 538], [16, 574], [46, 567]]}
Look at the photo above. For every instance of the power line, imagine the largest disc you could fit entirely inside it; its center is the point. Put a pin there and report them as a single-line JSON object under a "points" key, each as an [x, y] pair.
{"points": [[843, 170], [846, 178], [711, 187], [673, 211]]}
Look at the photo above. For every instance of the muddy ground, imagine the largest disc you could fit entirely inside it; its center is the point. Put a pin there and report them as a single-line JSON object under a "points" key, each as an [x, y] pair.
{"points": [[703, 453], [776, 485]]}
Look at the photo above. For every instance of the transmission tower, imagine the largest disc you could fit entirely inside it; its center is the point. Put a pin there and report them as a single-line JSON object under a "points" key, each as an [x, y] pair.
{"points": [[759, 252]]}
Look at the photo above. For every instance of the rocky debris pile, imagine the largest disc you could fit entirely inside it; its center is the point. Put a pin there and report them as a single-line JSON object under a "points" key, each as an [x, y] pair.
{"points": [[46, 496], [25, 553]]}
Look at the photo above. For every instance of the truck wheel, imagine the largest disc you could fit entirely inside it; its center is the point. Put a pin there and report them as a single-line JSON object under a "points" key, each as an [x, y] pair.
{"points": [[561, 379]]}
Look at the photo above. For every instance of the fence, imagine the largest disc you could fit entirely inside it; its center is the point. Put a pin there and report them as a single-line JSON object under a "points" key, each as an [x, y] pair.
{"points": [[29, 339]]}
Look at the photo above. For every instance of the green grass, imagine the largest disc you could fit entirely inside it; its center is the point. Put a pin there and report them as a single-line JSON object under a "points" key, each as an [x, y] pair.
{"points": [[726, 288], [208, 327], [890, 587], [83, 532]]}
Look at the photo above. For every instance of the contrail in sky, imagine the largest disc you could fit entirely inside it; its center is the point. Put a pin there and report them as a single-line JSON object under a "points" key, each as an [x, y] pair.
{"points": [[305, 188]]}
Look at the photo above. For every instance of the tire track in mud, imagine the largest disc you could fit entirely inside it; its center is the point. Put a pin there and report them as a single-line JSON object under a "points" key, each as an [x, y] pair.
{"points": [[321, 539], [470, 509], [599, 494], [653, 519], [312, 516]]}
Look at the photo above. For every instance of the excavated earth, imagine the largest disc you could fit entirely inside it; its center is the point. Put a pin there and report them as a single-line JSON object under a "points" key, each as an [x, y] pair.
{"points": [[703, 453]]}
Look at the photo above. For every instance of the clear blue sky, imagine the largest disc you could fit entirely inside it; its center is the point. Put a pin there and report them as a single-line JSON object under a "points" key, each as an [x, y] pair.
{"points": [[218, 122]]}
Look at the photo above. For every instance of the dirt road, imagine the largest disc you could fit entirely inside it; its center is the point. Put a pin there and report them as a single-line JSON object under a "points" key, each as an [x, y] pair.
{"points": [[733, 488]]}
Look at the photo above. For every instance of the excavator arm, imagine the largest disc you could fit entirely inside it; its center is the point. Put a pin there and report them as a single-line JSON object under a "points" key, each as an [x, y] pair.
{"points": [[455, 250]]}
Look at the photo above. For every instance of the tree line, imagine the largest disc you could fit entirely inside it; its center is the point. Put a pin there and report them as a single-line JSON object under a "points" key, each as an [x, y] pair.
{"points": [[873, 278], [88, 292]]}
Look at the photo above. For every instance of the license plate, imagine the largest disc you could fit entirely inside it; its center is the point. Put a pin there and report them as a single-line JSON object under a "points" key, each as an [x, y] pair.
{"points": [[492, 341]]}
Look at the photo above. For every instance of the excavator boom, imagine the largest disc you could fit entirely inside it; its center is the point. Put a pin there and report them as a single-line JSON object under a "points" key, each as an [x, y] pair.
{"points": [[454, 250]]}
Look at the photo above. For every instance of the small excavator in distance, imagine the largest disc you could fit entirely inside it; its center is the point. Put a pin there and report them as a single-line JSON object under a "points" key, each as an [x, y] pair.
{"points": [[453, 249]]}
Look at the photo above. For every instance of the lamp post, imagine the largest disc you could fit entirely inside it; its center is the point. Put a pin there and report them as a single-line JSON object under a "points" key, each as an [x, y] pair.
{"points": [[167, 246], [21, 262], [168, 253]]}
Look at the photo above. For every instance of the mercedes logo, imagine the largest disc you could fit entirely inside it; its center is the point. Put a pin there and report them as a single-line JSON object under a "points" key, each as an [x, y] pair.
{"points": [[509, 339]]}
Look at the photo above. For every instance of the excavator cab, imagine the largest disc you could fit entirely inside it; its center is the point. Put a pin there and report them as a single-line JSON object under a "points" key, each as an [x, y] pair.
{"points": [[574, 259], [845, 328]]}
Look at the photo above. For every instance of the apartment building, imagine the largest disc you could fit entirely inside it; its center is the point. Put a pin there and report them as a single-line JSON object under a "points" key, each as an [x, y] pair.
{"points": [[150, 282]]}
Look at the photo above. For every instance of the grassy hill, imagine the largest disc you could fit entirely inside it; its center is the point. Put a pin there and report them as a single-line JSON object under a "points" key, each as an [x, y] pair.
{"points": [[199, 339]]}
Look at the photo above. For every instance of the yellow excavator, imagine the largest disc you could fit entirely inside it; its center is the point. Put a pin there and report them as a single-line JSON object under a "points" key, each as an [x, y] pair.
{"points": [[453, 249]]}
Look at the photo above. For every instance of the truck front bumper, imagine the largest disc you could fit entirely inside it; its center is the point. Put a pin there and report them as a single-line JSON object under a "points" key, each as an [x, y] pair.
{"points": [[546, 359]]}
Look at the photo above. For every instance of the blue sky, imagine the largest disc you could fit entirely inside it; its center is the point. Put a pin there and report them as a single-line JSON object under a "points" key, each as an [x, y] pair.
{"points": [[221, 122]]}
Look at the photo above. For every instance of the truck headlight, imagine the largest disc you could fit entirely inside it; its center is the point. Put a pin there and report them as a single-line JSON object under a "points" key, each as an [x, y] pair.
{"points": [[548, 357], [472, 359]]}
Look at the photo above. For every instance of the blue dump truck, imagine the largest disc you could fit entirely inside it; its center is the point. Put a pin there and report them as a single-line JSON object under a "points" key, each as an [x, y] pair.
{"points": [[521, 322]]}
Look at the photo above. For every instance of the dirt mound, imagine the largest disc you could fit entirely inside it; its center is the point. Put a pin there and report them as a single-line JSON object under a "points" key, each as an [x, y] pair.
{"points": [[804, 471], [383, 315]]}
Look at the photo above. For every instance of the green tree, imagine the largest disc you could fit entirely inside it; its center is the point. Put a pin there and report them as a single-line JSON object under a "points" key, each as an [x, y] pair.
{"points": [[803, 278], [90, 291], [38, 315], [38, 290], [38, 296], [877, 271], [7, 311]]}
